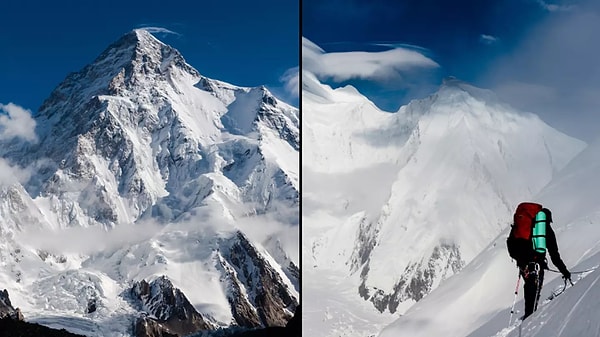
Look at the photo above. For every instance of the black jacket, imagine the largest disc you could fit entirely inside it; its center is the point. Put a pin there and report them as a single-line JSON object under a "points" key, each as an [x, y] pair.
{"points": [[552, 248]]}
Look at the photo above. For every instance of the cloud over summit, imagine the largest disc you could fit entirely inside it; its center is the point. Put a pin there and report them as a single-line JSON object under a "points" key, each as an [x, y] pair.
{"points": [[377, 66]]}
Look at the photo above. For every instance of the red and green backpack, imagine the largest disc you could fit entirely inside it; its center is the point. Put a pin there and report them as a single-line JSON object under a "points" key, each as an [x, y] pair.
{"points": [[527, 238]]}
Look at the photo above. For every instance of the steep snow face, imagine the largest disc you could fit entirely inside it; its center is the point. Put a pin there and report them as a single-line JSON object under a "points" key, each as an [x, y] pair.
{"points": [[142, 165], [485, 153], [401, 201], [477, 301]]}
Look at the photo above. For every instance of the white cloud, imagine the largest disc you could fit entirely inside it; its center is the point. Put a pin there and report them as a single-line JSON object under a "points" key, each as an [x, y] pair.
{"points": [[280, 223], [487, 39], [378, 66], [10, 174], [16, 121], [291, 81], [554, 7], [89, 240], [151, 29]]}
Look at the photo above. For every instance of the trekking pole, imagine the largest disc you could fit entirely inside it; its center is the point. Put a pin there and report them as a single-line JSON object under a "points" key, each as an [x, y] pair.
{"points": [[512, 309]]}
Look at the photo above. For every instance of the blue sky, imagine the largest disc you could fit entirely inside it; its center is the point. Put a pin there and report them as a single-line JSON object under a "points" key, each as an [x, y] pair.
{"points": [[541, 56], [247, 43]]}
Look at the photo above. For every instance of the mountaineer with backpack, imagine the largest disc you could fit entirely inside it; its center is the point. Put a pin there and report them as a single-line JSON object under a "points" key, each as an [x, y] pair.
{"points": [[530, 237]]}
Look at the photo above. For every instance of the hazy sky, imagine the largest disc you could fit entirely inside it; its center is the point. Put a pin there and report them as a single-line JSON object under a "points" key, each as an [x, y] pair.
{"points": [[247, 43], [540, 56]]}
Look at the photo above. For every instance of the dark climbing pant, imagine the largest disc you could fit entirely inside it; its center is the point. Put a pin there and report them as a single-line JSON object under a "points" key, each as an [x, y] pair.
{"points": [[534, 279]]}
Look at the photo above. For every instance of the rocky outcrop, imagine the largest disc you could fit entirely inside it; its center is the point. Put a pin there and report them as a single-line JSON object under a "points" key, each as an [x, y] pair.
{"points": [[167, 312], [257, 293], [12, 327], [6, 308], [148, 327], [292, 329], [418, 279]]}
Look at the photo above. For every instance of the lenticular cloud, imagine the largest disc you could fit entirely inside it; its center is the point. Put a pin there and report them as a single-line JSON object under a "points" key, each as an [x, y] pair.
{"points": [[341, 66]]}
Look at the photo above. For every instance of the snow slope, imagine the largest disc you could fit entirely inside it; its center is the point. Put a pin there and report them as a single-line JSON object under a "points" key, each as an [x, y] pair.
{"points": [[477, 301], [146, 168], [395, 203], [574, 314]]}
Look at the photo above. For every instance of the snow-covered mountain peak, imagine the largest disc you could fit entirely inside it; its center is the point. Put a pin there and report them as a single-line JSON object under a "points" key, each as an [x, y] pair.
{"points": [[140, 46], [130, 66], [138, 138], [139, 120], [463, 100], [450, 84]]}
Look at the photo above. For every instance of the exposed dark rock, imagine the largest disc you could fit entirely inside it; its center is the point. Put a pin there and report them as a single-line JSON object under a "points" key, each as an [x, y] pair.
{"points": [[268, 301], [367, 239], [271, 116], [294, 270], [294, 325], [417, 280], [173, 314], [17, 328], [91, 307], [292, 329], [148, 327], [6, 308]]}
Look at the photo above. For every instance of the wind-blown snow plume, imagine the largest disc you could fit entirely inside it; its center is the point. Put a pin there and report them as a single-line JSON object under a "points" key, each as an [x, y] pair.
{"points": [[291, 80], [154, 30]]}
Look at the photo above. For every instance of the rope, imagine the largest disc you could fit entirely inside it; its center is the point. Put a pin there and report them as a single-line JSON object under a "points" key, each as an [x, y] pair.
{"points": [[553, 295], [574, 272]]}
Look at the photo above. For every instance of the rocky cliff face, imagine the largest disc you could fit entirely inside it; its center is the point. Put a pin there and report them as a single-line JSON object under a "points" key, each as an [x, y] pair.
{"points": [[418, 279], [6, 308], [166, 310], [257, 293]]}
